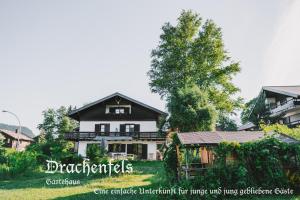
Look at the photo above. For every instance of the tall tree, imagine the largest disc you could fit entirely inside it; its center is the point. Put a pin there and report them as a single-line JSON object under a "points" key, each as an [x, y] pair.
{"points": [[56, 122], [247, 109], [225, 123], [49, 123], [192, 52], [190, 110]]}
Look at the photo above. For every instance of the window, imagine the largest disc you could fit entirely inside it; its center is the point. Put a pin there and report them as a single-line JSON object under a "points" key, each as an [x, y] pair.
{"points": [[116, 148], [118, 110], [129, 128], [102, 128]]}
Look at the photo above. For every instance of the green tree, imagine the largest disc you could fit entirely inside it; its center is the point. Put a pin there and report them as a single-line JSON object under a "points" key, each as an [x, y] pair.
{"points": [[57, 122], [49, 123], [2, 150], [193, 53], [281, 128], [225, 123], [190, 110], [247, 109], [51, 143]]}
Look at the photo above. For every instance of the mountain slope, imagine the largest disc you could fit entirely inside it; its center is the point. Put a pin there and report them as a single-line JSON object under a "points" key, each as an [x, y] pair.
{"points": [[26, 131]]}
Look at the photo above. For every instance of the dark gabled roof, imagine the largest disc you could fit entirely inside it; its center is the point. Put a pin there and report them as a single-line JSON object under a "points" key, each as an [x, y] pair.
{"points": [[292, 91], [216, 137], [246, 126], [114, 95]]}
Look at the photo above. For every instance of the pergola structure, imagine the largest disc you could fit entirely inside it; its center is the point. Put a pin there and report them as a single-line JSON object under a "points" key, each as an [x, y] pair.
{"points": [[197, 148]]}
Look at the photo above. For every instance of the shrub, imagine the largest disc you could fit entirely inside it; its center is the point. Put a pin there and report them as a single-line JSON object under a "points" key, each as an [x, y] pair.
{"points": [[266, 163], [18, 163], [96, 153], [170, 159], [21, 162], [2, 151]]}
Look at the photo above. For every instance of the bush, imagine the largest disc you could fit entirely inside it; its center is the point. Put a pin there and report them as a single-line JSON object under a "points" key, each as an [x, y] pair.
{"points": [[96, 153], [18, 163], [266, 163], [58, 150], [170, 159], [2, 151]]}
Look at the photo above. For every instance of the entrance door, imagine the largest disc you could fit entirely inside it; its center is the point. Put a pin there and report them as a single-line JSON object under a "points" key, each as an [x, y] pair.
{"points": [[130, 149]]}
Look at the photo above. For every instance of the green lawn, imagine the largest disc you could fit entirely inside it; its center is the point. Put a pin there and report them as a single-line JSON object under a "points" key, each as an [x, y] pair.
{"points": [[146, 175], [34, 187]]}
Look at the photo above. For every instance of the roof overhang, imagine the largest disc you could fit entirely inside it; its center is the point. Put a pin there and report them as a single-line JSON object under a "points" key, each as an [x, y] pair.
{"points": [[74, 112]]}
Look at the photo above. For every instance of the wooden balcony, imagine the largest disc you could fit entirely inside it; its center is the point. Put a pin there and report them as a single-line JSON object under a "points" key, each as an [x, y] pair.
{"points": [[275, 110], [133, 135]]}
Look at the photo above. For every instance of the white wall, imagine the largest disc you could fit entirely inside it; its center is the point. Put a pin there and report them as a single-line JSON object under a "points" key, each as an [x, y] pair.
{"points": [[144, 125], [151, 151], [152, 147]]}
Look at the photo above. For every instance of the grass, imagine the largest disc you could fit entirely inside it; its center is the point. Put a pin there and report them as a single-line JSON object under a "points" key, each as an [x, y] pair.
{"points": [[146, 175], [35, 187]]}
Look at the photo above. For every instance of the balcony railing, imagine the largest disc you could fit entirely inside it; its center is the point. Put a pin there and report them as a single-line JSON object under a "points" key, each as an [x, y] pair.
{"points": [[134, 135], [284, 106]]}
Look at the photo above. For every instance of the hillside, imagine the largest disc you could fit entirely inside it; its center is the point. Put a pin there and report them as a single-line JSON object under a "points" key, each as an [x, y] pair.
{"points": [[26, 131]]}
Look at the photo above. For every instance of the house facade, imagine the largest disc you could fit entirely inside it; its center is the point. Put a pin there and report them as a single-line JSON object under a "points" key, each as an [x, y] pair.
{"points": [[10, 139], [123, 126], [276, 104]]}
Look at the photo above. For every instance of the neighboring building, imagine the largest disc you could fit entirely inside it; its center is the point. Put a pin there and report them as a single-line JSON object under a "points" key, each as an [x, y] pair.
{"points": [[249, 126], [120, 124], [10, 139], [200, 145], [276, 104]]}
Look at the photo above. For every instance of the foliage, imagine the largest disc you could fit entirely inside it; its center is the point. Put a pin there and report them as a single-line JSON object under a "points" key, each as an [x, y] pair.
{"points": [[57, 122], [56, 149], [170, 158], [263, 163], [18, 163], [190, 110], [2, 151], [267, 163], [225, 123], [247, 109], [96, 153], [193, 53], [281, 128], [51, 143]]}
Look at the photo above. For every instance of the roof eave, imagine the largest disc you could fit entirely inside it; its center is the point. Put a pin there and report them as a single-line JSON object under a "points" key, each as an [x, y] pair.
{"points": [[113, 95]]}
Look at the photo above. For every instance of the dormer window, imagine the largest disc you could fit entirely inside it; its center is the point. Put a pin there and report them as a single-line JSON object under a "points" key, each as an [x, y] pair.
{"points": [[118, 109]]}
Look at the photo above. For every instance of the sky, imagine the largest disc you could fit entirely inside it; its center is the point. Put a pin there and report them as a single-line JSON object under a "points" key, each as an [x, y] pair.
{"points": [[71, 52]]}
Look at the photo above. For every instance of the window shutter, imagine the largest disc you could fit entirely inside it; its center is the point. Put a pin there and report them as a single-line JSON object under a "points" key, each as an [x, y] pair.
{"points": [[136, 128], [122, 128], [107, 128], [126, 110], [97, 128]]}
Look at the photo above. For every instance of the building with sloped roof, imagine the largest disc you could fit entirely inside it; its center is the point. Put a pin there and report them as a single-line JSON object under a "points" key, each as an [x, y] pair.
{"points": [[275, 104], [10, 139]]}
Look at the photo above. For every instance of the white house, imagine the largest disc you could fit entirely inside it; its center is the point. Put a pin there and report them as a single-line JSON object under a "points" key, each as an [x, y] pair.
{"points": [[277, 104], [120, 124]]}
